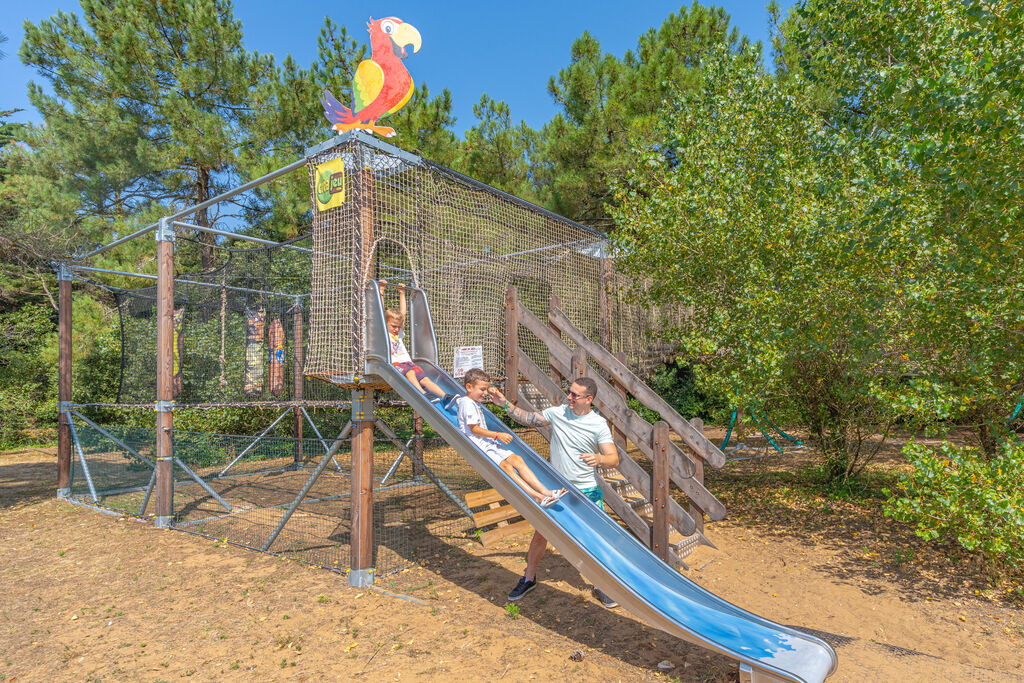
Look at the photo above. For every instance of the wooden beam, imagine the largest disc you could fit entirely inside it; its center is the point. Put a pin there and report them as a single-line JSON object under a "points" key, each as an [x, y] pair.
{"points": [[511, 345], [298, 359], [64, 331], [628, 467], [625, 512], [604, 313], [164, 380], [486, 497], [494, 515], [553, 303], [361, 535], [617, 434], [659, 487], [495, 535], [700, 445], [695, 511]]}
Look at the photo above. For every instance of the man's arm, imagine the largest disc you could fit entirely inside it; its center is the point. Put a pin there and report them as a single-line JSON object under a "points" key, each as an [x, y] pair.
{"points": [[523, 417], [608, 457]]}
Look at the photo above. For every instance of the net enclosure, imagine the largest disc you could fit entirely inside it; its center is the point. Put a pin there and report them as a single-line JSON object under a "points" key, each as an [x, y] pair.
{"points": [[379, 212]]}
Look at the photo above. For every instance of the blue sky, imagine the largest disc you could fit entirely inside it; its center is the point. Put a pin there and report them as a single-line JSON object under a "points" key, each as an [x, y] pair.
{"points": [[508, 50]]}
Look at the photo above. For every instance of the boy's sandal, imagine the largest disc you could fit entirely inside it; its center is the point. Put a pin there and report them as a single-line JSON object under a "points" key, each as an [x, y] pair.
{"points": [[553, 498]]}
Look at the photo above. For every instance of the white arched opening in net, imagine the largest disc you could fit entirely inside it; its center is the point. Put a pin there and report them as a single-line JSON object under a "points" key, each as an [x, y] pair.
{"points": [[406, 219]]}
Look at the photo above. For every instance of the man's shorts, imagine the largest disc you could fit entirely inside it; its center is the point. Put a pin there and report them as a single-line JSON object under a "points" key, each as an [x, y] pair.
{"points": [[404, 368], [595, 494]]}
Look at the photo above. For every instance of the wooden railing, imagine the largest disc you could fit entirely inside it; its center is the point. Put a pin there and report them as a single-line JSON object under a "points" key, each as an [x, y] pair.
{"points": [[682, 466]]}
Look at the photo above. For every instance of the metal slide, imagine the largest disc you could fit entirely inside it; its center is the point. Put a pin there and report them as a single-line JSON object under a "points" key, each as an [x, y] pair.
{"points": [[604, 552]]}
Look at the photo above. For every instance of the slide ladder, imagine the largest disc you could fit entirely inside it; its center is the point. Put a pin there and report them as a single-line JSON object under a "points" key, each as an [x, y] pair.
{"points": [[604, 552]]}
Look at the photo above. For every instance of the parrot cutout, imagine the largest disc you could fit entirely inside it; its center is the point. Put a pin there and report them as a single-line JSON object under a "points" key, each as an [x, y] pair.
{"points": [[381, 85]]}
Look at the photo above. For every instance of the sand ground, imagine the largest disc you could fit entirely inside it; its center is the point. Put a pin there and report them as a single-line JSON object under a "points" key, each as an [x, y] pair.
{"points": [[91, 597]]}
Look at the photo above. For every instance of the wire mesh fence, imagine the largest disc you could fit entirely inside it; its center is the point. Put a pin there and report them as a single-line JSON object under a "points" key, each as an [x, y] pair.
{"points": [[270, 494]]}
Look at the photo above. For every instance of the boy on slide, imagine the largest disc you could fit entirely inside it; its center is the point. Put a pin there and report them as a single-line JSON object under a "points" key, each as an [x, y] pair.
{"points": [[473, 425], [400, 358]]}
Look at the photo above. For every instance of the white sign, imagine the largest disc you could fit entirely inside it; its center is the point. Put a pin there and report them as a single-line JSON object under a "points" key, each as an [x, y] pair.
{"points": [[467, 358]]}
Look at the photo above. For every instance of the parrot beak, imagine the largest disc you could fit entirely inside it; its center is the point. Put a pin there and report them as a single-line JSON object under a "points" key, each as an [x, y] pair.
{"points": [[406, 34]]}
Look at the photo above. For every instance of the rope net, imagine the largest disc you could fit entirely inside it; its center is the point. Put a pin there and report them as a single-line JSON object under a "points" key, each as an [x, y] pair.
{"points": [[395, 217], [234, 328]]}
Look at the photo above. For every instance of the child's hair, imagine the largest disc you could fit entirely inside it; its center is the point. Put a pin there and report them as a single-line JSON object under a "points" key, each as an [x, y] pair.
{"points": [[475, 375], [392, 314]]}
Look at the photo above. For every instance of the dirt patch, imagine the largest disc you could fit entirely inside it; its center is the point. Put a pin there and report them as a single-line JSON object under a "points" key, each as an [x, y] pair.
{"points": [[88, 596]]}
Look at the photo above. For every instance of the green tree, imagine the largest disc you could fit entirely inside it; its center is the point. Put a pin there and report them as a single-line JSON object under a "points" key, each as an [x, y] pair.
{"points": [[497, 152], [605, 102], [768, 224], [939, 86]]}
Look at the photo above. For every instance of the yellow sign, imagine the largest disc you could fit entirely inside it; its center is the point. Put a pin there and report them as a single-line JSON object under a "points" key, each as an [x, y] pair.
{"points": [[330, 184]]}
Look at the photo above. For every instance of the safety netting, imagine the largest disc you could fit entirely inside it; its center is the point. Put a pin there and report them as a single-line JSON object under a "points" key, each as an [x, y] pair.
{"points": [[380, 213]]}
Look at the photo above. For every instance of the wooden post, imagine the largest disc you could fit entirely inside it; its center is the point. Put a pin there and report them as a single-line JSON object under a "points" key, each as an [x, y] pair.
{"points": [[604, 320], [362, 264], [417, 445], [298, 359], [63, 382], [553, 303], [361, 535], [164, 373], [618, 436], [698, 475], [511, 345], [579, 363], [659, 490]]}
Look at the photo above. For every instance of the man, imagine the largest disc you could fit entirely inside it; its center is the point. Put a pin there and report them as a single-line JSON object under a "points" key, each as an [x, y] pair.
{"points": [[580, 442]]}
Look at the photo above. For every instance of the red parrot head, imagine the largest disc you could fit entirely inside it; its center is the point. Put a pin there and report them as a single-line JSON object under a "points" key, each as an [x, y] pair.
{"points": [[391, 34]]}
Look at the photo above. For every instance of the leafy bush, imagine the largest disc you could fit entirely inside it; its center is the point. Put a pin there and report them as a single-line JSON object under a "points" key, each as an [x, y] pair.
{"points": [[677, 384], [957, 493]]}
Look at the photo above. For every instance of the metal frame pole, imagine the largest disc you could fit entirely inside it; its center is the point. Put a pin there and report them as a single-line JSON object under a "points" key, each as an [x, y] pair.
{"points": [[303, 492], [393, 438], [81, 458], [164, 374], [64, 331], [298, 358], [202, 205], [253, 444], [321, 438]]}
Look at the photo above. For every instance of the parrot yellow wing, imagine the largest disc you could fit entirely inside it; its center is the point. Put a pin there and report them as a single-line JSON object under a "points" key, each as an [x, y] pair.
{"points": [[412, 87], [366, 84]]}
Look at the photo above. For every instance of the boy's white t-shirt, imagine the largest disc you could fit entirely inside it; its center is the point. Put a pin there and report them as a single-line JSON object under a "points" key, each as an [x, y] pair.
{"points": [[470, 413], [571, 435], [399, 354]]}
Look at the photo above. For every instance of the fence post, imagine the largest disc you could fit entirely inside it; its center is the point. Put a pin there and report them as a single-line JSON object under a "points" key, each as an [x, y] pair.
{"points": [[298, 358], [698, 475], [553, 303], [659, 489], [618, 436], [63, 382], [511, 345], [164, 373], [604, 322], [361, 561]]}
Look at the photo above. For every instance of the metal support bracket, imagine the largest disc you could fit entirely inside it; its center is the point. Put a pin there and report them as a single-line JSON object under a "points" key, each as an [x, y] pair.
{"points": [[64, 273], [64, 494], [165, 230], [162, 522], [360, 578], [163, 406], [65, 406], [362, 405]]}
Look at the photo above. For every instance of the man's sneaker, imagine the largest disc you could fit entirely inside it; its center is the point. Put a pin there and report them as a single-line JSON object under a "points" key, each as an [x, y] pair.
{"points": [[605, 599], [521, 589]]}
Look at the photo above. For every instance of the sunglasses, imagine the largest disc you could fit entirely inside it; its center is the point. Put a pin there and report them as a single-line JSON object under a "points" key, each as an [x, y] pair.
{"points": [[573, 394]]}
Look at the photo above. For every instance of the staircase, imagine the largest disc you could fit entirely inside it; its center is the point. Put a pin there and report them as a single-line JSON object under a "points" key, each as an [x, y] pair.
{"points": [[640, 499]]}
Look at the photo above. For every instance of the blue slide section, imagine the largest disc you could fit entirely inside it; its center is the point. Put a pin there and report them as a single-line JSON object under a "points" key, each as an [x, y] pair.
{"points": [[606, 553], [614, 560]]}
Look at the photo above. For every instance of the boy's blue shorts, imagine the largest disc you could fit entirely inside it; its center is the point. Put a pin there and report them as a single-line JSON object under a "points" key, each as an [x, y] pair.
{"points": [[595, 494]]}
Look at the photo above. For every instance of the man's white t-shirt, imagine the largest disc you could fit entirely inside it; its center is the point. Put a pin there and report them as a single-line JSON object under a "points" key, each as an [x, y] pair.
{"points": [[470, 413], [399, 354], [573, 435]]}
